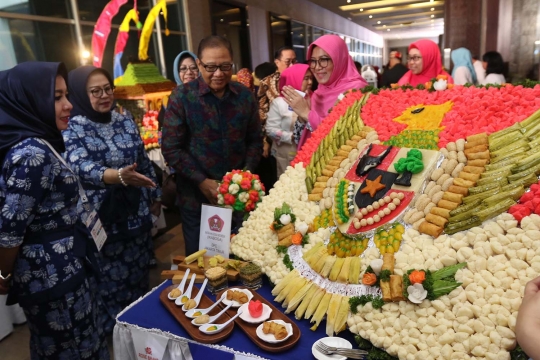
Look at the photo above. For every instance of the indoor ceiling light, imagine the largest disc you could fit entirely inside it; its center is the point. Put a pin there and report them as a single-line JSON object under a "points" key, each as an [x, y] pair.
{"points": [[361, 9], [387, 29], [348, 1], [370, 16], [432, 16], [432, 9], [378, 22]]}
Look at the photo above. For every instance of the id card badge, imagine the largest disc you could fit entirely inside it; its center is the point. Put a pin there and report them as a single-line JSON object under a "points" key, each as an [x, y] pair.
{"points": [[96, 229]]}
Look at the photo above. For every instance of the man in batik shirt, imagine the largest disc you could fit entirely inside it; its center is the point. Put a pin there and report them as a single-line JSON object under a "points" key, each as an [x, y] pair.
{"points": [[211, 126]]}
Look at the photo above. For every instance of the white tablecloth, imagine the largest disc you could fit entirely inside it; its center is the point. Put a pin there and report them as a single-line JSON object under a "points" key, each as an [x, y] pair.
{"points": [[9, 315]]}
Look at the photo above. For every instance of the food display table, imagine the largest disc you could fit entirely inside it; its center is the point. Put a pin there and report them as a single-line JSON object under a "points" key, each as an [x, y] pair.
{"points": [[149, 316]]}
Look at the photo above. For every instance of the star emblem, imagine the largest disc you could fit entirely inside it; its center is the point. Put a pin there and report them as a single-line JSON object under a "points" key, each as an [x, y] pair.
{"points": [[373, 186]]}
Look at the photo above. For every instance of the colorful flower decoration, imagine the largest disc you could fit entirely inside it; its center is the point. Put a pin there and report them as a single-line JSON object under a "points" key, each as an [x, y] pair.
{"points": [[240, 190]]}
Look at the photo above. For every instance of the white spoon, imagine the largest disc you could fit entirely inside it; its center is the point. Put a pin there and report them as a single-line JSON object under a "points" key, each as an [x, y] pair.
{"points": [[190, 313], [219, 327], [181, 286], [198, 297], [212, 318], [187, 294]]}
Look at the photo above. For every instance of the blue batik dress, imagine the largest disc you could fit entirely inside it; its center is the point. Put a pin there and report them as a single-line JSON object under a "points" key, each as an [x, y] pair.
{"points": [[38, 214], [92, 148]]}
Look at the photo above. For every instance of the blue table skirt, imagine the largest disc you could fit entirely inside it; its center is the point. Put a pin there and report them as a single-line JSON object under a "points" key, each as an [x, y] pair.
{"points": [[151, 314]]}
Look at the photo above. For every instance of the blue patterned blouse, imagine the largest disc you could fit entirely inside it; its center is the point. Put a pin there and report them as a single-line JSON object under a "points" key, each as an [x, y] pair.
{"points": [[92, 148], [38, 211]]}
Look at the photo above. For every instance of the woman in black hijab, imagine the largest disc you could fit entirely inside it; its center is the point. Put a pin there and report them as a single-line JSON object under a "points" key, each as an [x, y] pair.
{"points": [[42, 242], [106, 150]]}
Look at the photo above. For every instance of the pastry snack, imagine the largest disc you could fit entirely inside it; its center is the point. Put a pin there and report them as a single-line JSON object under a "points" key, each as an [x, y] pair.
{"points": [[203, 319], [217, 279], [175, 293], [279, 331], [238, 296], [190, 304], [251, 275]]}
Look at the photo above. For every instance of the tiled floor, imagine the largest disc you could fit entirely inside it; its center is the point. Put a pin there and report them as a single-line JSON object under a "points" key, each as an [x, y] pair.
{"points": [[170, 244]]}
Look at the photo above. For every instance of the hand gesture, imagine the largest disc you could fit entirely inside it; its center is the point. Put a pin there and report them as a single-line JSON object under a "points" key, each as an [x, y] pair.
{"points": [[133, 178], [209, 188], [4, 286], [299, 105]]}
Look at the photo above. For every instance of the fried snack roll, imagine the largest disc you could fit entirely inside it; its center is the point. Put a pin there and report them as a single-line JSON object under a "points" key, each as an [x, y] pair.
{"points": [[285, 241], [315, 197], [445, 213], [478, 155], [462, 182], [475, 148], [396, 288], [482, 137], [478, 162], [445, 204], [430, 229], [467, 176], [386, 292], [450, 196], [388, 262], [474, 169], [437, 220], [456, 189]]}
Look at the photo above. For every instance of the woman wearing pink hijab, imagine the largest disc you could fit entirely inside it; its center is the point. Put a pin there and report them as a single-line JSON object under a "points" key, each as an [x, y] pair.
{"points": [[424, 64], [281, 119], [334, 69]]}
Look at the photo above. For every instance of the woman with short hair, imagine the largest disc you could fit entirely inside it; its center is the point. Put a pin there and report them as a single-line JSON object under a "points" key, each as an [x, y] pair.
{"points": [[493, 62]]}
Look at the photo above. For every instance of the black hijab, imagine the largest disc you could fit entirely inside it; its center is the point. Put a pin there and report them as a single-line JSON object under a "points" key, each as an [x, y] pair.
{"points": [[27, 104], [79, 96]]}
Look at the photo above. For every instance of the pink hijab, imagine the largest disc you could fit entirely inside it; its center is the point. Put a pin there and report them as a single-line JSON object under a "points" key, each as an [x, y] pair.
{"points": [[293, 76], [431, 58], [344, 77]]}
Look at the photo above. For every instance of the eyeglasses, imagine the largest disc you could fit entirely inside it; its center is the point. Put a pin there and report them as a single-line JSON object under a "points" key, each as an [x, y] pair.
{"points": [[98, 92], [323, 62], [414, 58], [192, 68], [289, 62], [213, 68]]}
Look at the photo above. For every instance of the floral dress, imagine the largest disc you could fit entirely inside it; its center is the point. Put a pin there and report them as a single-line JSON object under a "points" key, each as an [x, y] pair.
{"points": [[92, 148], [38, 214]]}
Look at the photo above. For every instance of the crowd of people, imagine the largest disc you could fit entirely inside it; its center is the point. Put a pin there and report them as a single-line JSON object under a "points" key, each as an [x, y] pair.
{"points": [[67, 162]]}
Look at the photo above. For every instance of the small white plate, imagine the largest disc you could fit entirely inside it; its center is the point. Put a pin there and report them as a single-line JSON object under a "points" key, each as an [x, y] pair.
{"points": [[246, 316], [236, 304], [331, 341], [270, 338]]}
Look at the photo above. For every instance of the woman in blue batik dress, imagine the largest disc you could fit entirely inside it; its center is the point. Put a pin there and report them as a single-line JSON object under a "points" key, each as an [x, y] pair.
{"points": [[106, 150], [43, 244]]}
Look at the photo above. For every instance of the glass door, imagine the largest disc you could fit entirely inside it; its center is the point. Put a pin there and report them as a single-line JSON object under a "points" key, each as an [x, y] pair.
{"points": [[230, 21]]}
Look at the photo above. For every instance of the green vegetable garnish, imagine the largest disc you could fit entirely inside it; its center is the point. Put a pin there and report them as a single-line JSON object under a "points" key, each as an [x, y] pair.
{"points": [[288, 263], [376, 301], [385, 275], [212, 328]]}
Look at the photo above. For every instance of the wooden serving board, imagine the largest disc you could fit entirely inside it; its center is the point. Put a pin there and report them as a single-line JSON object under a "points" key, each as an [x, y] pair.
{"points": [[232, 274], [193, 330], [250, 329], [177, 275]]}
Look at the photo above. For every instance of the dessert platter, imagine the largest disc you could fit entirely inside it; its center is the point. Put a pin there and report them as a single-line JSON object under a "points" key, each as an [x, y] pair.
{"points": [[411, 219], [268, 327], [210, 322]]}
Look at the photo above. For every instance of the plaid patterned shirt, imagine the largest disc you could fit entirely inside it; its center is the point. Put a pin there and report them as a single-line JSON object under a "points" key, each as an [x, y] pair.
{"points": [[205, 136]]}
